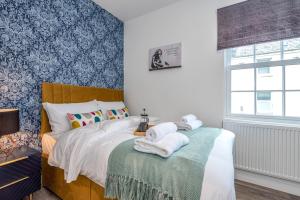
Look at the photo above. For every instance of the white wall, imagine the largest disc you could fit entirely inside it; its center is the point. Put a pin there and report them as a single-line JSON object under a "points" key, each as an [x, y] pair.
{"points": [[197, 87]]}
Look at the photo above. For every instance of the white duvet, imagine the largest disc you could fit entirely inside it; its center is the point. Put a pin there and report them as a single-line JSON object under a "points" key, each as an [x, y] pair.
{"points": [[85, 151]]}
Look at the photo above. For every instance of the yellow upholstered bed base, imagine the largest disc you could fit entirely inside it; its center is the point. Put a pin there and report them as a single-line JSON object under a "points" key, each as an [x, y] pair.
{"points": [[52, 177], [81, 189]]}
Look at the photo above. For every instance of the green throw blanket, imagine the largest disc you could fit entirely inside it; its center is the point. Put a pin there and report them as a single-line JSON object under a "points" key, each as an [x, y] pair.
{"points": [[132, 175]]}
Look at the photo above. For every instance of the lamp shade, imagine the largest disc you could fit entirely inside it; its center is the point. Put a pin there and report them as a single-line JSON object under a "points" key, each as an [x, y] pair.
{"points": [[9, 121]]}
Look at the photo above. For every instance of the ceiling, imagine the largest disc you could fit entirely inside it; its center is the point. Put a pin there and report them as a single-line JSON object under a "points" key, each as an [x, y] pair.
{"points": [[129, 9]]}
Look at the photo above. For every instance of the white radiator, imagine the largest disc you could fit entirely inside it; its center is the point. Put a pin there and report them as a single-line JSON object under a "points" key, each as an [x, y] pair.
{"points": [[272, 150]]}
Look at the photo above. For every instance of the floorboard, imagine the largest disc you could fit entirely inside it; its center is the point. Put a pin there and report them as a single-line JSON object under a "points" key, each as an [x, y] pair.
{"points": [[244, 191], [248, 191]]}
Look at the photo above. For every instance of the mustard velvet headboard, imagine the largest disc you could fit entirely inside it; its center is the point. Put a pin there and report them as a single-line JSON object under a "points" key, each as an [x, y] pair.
{"points": [[61, 93]]}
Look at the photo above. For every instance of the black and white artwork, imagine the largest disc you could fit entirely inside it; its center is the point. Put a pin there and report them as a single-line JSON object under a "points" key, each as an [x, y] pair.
{"points": [[165, 57]]}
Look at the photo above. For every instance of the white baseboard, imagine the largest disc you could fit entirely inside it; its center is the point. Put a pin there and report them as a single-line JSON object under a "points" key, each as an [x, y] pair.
{"points": [[269, 182]]}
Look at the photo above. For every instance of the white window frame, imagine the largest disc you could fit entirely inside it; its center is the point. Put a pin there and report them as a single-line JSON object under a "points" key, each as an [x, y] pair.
{"points": [[255, 65]]}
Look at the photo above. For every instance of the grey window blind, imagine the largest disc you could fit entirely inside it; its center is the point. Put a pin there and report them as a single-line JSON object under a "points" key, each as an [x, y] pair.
{"points": [[257, 21]]}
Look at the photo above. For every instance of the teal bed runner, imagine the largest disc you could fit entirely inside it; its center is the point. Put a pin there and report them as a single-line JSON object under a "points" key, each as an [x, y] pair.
{"points": [[132, 175]]}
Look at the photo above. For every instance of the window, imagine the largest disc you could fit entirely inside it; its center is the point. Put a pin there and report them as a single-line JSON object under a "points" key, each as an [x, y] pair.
{"points": [[263, 70], [264, 79]]}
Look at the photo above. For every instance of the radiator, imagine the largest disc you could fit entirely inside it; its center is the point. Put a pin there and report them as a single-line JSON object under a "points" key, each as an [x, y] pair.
{"points": [[272, 150]]}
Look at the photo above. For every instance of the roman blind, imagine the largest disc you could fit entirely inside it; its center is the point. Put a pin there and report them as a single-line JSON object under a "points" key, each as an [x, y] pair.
{"points": [[257, 21]]}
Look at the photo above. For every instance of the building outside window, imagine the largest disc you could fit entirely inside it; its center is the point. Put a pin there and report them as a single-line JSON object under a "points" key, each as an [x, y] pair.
{"points": [[264, 80]]}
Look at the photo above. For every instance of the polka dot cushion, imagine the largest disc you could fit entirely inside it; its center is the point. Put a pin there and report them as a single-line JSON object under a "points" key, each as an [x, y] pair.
{"points": [[83, 119], [117, 114]]}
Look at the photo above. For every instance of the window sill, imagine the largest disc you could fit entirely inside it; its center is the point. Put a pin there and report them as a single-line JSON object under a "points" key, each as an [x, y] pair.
{"points": [[264, 121]]}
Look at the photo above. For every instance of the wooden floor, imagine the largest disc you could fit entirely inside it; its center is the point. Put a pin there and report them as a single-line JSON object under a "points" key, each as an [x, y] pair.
{"points": [[244, 191], [247, 191]]}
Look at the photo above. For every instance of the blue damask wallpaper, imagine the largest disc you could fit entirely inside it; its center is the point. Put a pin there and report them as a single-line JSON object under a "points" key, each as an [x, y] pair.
{"points": [[65, 41]]}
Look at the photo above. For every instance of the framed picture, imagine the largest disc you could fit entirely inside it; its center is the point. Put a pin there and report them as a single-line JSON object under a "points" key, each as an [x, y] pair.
{"points": [[165, 57]]}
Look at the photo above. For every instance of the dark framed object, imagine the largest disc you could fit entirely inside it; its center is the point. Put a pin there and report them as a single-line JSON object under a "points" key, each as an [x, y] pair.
{"points": [[165, 57]]}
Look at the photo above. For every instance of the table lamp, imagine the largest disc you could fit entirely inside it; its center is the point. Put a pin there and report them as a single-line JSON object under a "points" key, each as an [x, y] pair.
{"points": [[9, 121]]}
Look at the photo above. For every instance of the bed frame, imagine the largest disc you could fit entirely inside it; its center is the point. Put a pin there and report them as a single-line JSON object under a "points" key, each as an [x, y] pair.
{"points": [[52, 177]]}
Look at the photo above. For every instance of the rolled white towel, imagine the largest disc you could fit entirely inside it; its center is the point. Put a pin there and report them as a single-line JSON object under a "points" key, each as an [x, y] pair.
{"points": [[164, 147], [189, 125], [188, 118], [159, 131]]}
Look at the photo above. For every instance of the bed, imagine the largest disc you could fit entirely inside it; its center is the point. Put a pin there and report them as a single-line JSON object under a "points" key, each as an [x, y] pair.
{"points": [[52, 177], [218, 180]]}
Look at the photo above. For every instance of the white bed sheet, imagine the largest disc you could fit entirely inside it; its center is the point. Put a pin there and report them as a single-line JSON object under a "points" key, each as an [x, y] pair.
{"points": [[218, 181], [83, 150], [48, 142]]}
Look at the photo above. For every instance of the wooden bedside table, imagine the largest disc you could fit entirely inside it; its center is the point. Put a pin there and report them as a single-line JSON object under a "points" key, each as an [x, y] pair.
{"points": [[20, 173]]}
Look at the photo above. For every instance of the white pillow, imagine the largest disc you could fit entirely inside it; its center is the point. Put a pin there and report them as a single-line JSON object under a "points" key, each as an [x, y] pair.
{"points": [[104, 106], [57, 113]]}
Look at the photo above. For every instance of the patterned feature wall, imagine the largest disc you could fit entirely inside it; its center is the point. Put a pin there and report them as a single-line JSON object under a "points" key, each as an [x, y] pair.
{"points": [[65, 41]]}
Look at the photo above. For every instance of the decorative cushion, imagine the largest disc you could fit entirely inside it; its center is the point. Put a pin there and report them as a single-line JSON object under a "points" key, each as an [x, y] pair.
{"points": [[117, 113], [110, 105], [83, 119]]}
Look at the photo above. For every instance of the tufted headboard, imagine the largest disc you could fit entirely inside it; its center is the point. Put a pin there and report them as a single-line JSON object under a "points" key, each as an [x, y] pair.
{"points": [[61, 93]]}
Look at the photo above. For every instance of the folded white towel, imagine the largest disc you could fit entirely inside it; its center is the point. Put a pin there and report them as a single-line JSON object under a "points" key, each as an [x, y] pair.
{"points": [[189, 125], [188, 118], [164, 147], [159, 131]]}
